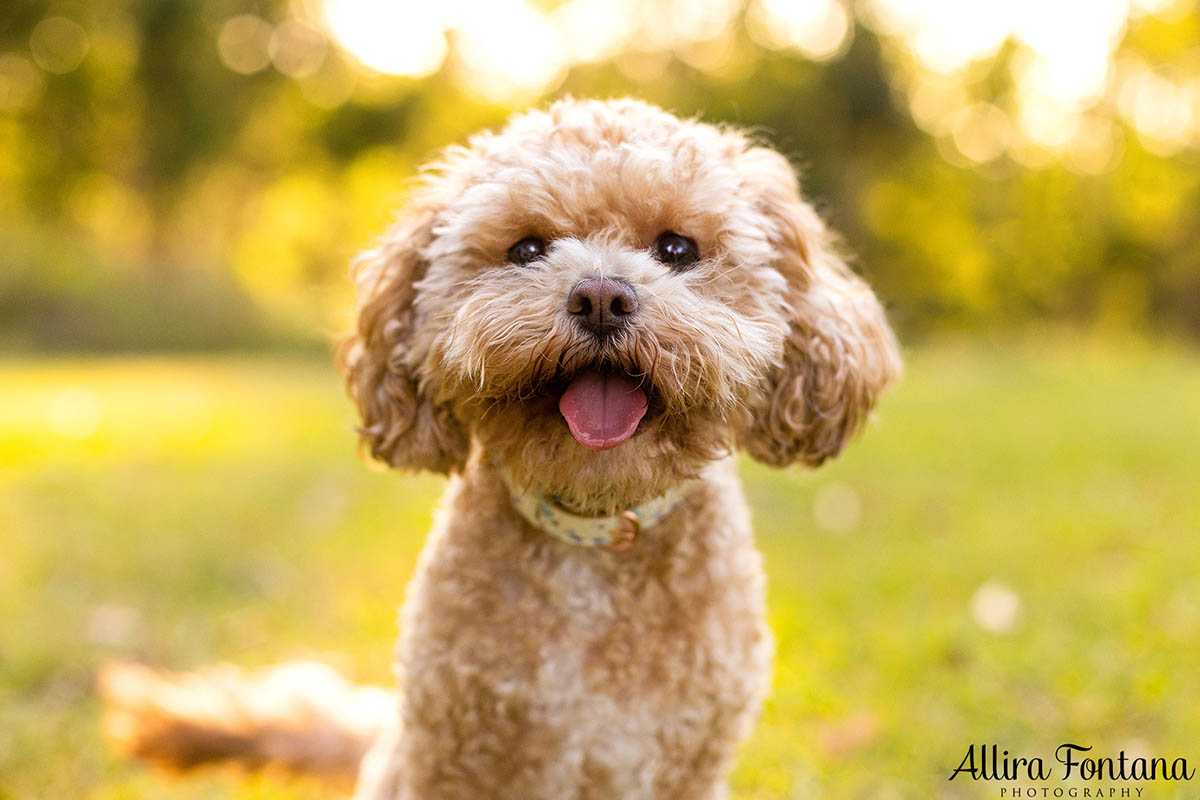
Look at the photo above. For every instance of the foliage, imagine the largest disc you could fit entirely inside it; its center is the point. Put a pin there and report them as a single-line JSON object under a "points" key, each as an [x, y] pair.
{"points": [[190, 510], [150, 144]]}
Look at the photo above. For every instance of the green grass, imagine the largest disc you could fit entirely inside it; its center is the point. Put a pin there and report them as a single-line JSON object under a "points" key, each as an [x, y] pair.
{"points": [[191, 510]]}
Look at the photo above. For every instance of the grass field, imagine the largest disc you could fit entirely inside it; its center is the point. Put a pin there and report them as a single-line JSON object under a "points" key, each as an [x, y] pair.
{"points": [[1008, 555]]}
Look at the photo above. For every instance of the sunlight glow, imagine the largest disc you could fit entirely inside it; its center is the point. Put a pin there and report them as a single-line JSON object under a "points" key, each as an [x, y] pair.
{"points": [[505, 50], [1063, 75], [1045, 122], [75, 413], [672, 23], [1072, 40], [508, 50], [818, 29], [595, 29], [1165, 113], [513, 51], [945, 35], [391, 37]]}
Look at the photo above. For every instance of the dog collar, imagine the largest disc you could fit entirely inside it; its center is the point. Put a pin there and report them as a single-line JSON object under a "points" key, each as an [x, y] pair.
{"points": [[617, 532]]}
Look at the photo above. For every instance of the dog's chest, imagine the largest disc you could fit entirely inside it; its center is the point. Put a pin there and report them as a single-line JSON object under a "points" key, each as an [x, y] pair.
{"points": [[559, 669], [647, 675]]}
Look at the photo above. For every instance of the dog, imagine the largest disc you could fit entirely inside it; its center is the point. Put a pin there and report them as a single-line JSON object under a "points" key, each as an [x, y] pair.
{"points": [[579, 319]]}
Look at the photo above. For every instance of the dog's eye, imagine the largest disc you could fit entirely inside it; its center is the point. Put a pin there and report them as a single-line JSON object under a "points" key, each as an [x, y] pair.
{"points": [[531, 248], [677, 252]]}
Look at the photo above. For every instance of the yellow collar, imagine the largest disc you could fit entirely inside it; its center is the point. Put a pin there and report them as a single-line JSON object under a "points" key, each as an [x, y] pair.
{"points": [[618, 532]]}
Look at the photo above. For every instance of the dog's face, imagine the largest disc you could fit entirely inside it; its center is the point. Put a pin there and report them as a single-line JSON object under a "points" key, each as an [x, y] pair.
{"points": [[601, 299]]}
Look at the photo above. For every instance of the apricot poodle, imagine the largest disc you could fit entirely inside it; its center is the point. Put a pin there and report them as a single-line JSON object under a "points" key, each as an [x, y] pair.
{"points": [[579, 319]]}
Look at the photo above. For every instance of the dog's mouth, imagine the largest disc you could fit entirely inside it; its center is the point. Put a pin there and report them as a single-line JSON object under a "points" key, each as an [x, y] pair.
{"points": [[602, 407]]}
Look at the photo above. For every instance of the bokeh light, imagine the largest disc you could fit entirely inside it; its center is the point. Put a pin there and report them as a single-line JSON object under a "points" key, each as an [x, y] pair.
{"points": [[394, 38], [819, 29], [296, 49], [508, 50], [243, 43], [996, 607], [58, 44], [20, 82], [595, 29]]}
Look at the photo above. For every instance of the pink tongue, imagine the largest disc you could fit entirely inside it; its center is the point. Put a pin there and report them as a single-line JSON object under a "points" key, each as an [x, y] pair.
{"points": [[602, 410]]}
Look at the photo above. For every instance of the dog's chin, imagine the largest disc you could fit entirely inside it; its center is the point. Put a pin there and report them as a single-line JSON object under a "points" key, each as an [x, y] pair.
{"points": [[581, 440]]}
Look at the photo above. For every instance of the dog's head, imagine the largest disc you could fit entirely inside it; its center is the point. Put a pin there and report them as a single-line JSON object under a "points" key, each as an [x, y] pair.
{"points": [[602, 298]]}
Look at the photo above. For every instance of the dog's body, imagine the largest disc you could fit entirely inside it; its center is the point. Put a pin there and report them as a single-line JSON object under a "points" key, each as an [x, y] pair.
{"points": [[572, 672], [580, 319]]}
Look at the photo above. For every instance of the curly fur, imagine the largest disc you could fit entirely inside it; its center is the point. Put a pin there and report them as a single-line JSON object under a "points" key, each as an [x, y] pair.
{"points": [[532, 668]]}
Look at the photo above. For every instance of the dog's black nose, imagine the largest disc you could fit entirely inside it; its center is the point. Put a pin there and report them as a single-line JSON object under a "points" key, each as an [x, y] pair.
{"points": [[602, 304]]}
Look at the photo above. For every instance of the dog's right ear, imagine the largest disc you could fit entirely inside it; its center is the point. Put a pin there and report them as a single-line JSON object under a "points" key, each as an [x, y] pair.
{"points": [[403, 425]]}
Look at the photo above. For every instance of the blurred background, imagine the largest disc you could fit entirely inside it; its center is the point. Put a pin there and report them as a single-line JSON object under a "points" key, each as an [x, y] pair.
{"points": [[1008, 556], [197, 174]]}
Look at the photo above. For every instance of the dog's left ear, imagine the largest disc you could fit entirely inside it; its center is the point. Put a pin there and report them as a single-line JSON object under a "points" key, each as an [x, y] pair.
{"points": [[840, 353]]}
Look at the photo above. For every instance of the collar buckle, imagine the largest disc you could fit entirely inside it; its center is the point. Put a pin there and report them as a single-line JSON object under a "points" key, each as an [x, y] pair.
{"points": [[629, 526]]}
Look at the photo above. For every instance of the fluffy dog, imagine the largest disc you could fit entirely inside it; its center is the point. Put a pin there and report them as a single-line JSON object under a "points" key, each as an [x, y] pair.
{"points": [[579, 319]]}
